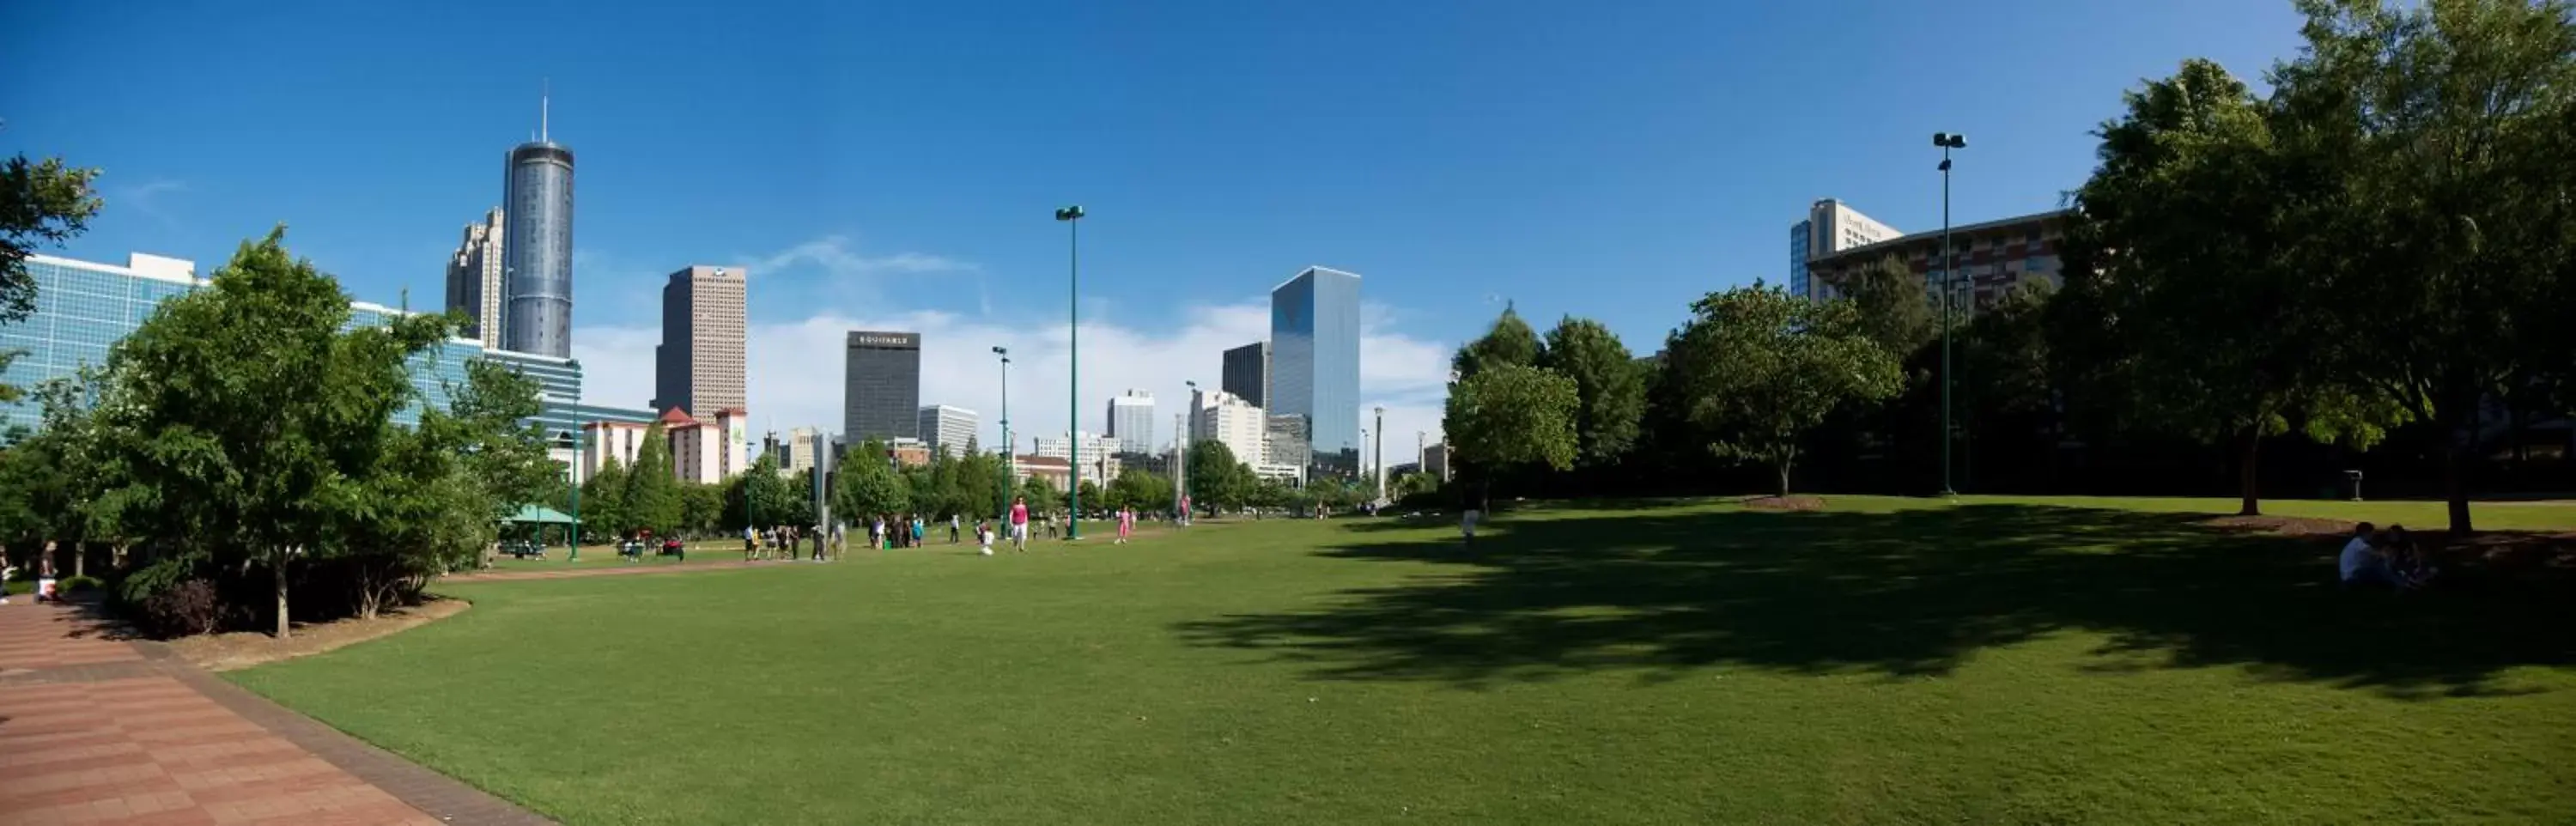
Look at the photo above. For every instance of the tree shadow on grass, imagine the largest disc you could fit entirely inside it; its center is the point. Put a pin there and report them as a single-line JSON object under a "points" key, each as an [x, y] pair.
{"points": [[1901, 594]]}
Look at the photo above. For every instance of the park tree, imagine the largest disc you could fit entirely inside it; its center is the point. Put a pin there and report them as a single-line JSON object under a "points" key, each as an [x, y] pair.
{"points": [[1509, 341], [2446, 261], [44, 202], [1142, 489], [866, 484], [758, 497], [603, 500], [2201, 236], [702, 508], [982, 482], [1041, 493], [1895, 310], [244, 421], [1090, 491], [1761, 367], [652, 500], [1609, 386], [1512, 416], [1217, 480]]}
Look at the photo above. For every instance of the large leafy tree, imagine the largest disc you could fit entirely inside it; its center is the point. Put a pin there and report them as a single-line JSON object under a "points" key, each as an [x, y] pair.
{"points": [[867, 486], [244, 421], [41, 202], [1509, 341], [1216, 478], [603, 501], [1513, 416], [1609, 387], [2447, 259], [759, 497], [2200, 232], [1761, 367], [652, 501], [1895, 309]]}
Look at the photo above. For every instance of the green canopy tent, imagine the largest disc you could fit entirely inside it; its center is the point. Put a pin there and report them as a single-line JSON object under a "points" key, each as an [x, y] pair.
{"points": [[541, 516]]}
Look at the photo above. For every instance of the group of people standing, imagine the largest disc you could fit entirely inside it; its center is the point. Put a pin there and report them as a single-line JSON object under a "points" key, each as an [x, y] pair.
{"points": [[891, 531]]}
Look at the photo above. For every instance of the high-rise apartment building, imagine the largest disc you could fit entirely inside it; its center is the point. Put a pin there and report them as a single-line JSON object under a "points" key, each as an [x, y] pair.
{"points": [[881, 386], [1992, 258], [807, 448], [947, 429], [1227, 419], [1100, 460], [1315, 363], [1131, 421], [537, 276], [1246, 373], [1830, 228], [474, 279], [700, 363]]}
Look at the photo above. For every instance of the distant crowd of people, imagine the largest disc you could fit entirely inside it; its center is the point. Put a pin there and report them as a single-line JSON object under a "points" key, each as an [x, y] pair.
{"points": [[890, 531]]}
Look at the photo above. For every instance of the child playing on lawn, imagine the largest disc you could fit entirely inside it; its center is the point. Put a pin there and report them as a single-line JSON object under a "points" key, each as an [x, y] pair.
{"points": [[984, 537]]}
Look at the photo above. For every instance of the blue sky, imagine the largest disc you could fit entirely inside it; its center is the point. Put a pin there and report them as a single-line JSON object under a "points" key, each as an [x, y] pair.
{"points": [[897, 165]]}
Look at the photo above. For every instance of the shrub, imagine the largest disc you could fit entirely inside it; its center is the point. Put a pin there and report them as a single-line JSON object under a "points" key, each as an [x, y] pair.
{"points": [[81, 584], [161, 575], [184, 609]]}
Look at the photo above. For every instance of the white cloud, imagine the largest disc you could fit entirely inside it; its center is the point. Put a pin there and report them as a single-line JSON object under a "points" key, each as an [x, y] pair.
{"points": [[145, 198], [796, 369], [833, 254]]}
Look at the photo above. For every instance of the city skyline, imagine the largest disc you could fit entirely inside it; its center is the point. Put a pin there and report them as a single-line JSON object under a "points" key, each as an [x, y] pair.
{"points": [[941, 226]]}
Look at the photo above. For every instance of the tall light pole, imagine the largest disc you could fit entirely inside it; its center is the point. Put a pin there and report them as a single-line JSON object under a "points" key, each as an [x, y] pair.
{"points": [[1378, 457], [580, 445], [1072, 218], [1181, 452], [1010, 468], [1947, 141]]}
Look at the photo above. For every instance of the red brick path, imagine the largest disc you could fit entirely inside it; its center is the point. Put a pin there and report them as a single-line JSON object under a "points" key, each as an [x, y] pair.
{"points": [[95, 728]]}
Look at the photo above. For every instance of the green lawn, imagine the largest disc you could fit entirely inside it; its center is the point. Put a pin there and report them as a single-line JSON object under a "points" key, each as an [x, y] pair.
{"points": [[1885, 660]]}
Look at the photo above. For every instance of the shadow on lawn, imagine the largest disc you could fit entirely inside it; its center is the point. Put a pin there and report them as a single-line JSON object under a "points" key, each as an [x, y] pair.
{"points": [[1905, 593]]}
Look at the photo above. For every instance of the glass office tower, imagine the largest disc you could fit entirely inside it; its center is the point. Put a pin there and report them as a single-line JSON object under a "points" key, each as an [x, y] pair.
{"points": [[536, 316], [1315, 363]]}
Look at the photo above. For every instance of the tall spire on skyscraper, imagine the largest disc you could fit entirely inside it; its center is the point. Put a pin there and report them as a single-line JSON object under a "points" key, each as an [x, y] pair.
{"points": [[545, 96]]}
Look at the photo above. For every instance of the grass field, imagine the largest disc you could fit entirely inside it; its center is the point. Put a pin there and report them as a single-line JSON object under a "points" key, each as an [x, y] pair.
{"points": [[1883, 660]]}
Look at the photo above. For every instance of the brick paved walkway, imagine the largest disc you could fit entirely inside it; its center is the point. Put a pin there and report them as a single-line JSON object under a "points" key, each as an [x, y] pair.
{"points": [[99, 729]]}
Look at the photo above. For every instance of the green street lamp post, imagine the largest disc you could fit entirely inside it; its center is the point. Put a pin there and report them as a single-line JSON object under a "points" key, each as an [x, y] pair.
{"points": [[1072, 218], [1947, 141], [580, 445], [1010, 453]]}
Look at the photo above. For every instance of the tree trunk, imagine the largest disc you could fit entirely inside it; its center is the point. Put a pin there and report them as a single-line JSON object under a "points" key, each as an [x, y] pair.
{"points": [[80, 559], [2249, 494], [277, 574], [2455, 489], [1784, 479]]}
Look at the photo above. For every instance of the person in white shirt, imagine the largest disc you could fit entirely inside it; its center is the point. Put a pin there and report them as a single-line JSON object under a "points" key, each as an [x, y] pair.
{"points": [[2360, 562]]}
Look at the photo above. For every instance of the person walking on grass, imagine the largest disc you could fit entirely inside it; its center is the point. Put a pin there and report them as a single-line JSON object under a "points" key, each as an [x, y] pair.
{"points": [[1020, 524], [952, 529], [1126, 524]]}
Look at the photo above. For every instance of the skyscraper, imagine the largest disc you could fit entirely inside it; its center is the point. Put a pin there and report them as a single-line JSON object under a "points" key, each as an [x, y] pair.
{"points": [[1247, 373], [1830, 228], [537, 200], [1131, 421], [699, 364], [1315, 362], [947, 429], [881, 387], [474, 279]]}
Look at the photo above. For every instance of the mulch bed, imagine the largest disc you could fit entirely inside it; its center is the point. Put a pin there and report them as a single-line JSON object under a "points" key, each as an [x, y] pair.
{"points": [[242, 649], [2284, 525], [1785, 503]]}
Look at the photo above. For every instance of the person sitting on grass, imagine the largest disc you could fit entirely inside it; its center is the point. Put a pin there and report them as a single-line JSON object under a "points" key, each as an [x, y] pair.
{"points": [[2406, 560], [2361, 562]]}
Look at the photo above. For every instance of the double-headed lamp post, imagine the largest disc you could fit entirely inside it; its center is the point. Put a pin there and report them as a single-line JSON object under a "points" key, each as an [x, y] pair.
{"points": [[1009, 463], [1947, 141], [1072, 218]]}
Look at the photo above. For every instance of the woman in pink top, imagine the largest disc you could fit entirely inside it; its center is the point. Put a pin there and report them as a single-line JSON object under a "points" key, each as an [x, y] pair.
{"points": [[1019, 523], [1126, 524]]}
